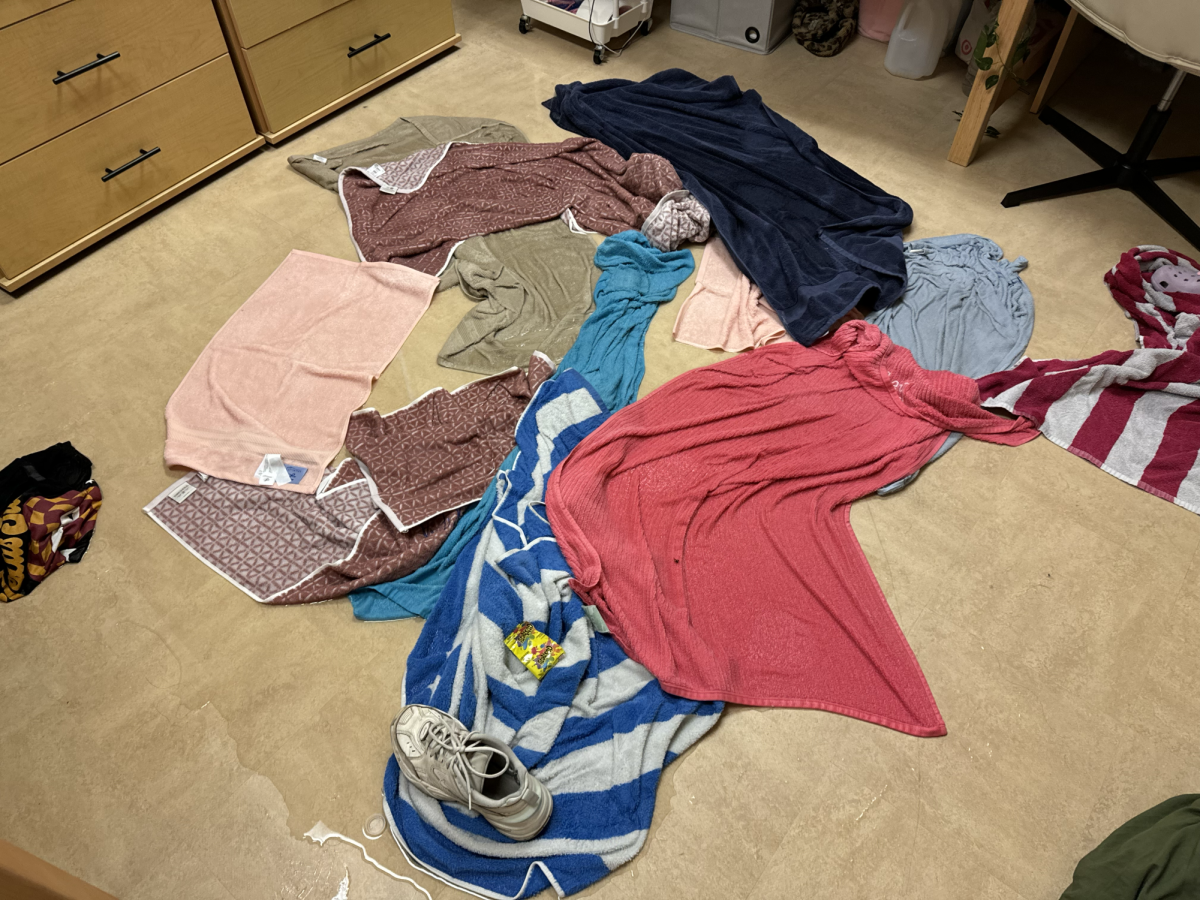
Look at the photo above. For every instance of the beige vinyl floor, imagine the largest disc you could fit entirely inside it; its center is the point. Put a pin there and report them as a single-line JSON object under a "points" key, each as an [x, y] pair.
{"points": [[162, 736]]}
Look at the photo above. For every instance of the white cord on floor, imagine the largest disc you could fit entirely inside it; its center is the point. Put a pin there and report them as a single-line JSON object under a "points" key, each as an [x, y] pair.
{"points": [[321, 832]]}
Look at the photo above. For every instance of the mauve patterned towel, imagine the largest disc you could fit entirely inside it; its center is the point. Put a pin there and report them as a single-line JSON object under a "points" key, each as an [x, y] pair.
{"points": [[416, 212], [284, 373], [287, 548], [442, 450]]}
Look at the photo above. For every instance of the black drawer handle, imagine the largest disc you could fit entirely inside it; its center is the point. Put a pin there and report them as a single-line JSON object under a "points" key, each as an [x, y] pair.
{"points": [[379, 39], [100, 60], [145, 155]]}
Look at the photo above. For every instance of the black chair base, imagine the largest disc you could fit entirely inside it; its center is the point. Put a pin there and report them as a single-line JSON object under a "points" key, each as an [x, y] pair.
{"points": [[1131, 171]]}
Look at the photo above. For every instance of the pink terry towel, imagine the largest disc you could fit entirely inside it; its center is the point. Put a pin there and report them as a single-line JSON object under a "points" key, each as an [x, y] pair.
{"points": [[725, 311], [284, 373]]}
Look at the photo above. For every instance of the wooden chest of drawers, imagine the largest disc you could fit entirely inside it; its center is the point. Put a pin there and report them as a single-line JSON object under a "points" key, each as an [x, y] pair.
{"points": [[299, 60], [109, 110]]}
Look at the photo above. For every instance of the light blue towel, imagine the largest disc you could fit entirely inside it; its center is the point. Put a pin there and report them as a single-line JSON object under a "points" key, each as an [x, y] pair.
{"points": [[597, 730], [965, 310], [609, 353]]}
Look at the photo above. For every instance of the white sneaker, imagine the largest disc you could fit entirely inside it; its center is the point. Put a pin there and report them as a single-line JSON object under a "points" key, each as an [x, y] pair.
{"points": [[439, 756]]}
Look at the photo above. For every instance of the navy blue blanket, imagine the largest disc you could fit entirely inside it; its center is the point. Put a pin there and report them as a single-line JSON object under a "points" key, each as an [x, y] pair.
{"points": [[816, 237]]}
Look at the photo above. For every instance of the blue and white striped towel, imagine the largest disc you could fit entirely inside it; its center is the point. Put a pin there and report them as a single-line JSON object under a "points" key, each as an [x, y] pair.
{"points": [[597, 730]]}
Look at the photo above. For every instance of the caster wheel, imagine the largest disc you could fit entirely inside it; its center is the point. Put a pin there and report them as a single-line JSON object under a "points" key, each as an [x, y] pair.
{"points": [[645, 27], [525, 25], [598, 56]]}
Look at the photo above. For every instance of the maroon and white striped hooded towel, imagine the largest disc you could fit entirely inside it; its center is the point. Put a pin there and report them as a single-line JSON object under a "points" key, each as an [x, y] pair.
{"points": [[1133, 413]]}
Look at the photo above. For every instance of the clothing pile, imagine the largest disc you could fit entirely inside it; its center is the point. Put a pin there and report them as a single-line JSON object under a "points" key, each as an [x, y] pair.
{"points": [[1150, 857], [817, 238], [595, 731], [654, 511], [48, 509], [600, 574]]}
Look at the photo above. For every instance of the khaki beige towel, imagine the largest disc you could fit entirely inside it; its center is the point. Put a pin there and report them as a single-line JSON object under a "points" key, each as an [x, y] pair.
{"points": [[404, 136], [533, 286], [282, 376]]}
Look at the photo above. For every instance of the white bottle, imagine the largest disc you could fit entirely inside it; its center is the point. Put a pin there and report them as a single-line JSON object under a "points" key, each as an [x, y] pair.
{"points": [[917, 40]]}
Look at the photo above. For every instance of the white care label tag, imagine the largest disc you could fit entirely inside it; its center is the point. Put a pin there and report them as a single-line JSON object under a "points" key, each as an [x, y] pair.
{"points": [[389, 189], [272, 470], [182, 492], [320, 159], [263, 473]]}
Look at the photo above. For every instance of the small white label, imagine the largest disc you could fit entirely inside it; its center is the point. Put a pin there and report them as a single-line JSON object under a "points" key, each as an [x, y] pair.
{"points": [[182, 492], [203, 477], [320, 159], [389, 189], [272, 471]]}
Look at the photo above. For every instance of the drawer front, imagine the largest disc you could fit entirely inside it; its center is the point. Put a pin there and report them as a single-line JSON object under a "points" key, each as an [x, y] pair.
{"points": [[16, 10], [258, 20], [157, 39], [303, 69], [53, 195]]}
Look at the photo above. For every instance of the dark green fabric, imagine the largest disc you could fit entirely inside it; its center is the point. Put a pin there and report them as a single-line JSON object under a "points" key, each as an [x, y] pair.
{"points": [[824, 27], [1153, 856]]}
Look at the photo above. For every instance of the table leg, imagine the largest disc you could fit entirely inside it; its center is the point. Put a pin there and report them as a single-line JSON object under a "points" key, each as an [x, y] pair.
{"points": [[1075, 42], [983, 100]]}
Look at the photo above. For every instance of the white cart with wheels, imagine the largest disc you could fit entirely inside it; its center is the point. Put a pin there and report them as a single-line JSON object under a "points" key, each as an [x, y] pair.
{"points": [[630, 14]]}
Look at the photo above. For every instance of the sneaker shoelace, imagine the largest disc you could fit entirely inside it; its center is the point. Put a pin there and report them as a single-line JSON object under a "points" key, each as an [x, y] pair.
{"points": [[452, 749]]}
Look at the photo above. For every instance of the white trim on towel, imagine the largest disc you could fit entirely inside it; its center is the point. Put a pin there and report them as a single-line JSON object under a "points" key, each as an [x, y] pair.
{"points": [[569, 217], [424, 177], [148, 510], [346, 209], [450, 255]]}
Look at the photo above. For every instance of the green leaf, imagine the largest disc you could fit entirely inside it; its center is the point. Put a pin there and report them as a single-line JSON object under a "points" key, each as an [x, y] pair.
{"points": [[991, 81], [985, 63], [985, 39]]}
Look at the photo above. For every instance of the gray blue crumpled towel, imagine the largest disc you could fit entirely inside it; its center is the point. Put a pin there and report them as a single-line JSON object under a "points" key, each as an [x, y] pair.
{"points": [[965, 309]]}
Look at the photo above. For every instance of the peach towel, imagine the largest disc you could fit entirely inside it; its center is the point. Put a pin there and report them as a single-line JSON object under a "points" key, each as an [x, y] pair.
{"points": [[725, 311], [284, 373]]}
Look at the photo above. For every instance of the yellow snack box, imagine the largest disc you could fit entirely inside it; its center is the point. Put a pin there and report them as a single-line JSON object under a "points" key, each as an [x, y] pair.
{"points": [[535, 650]]}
